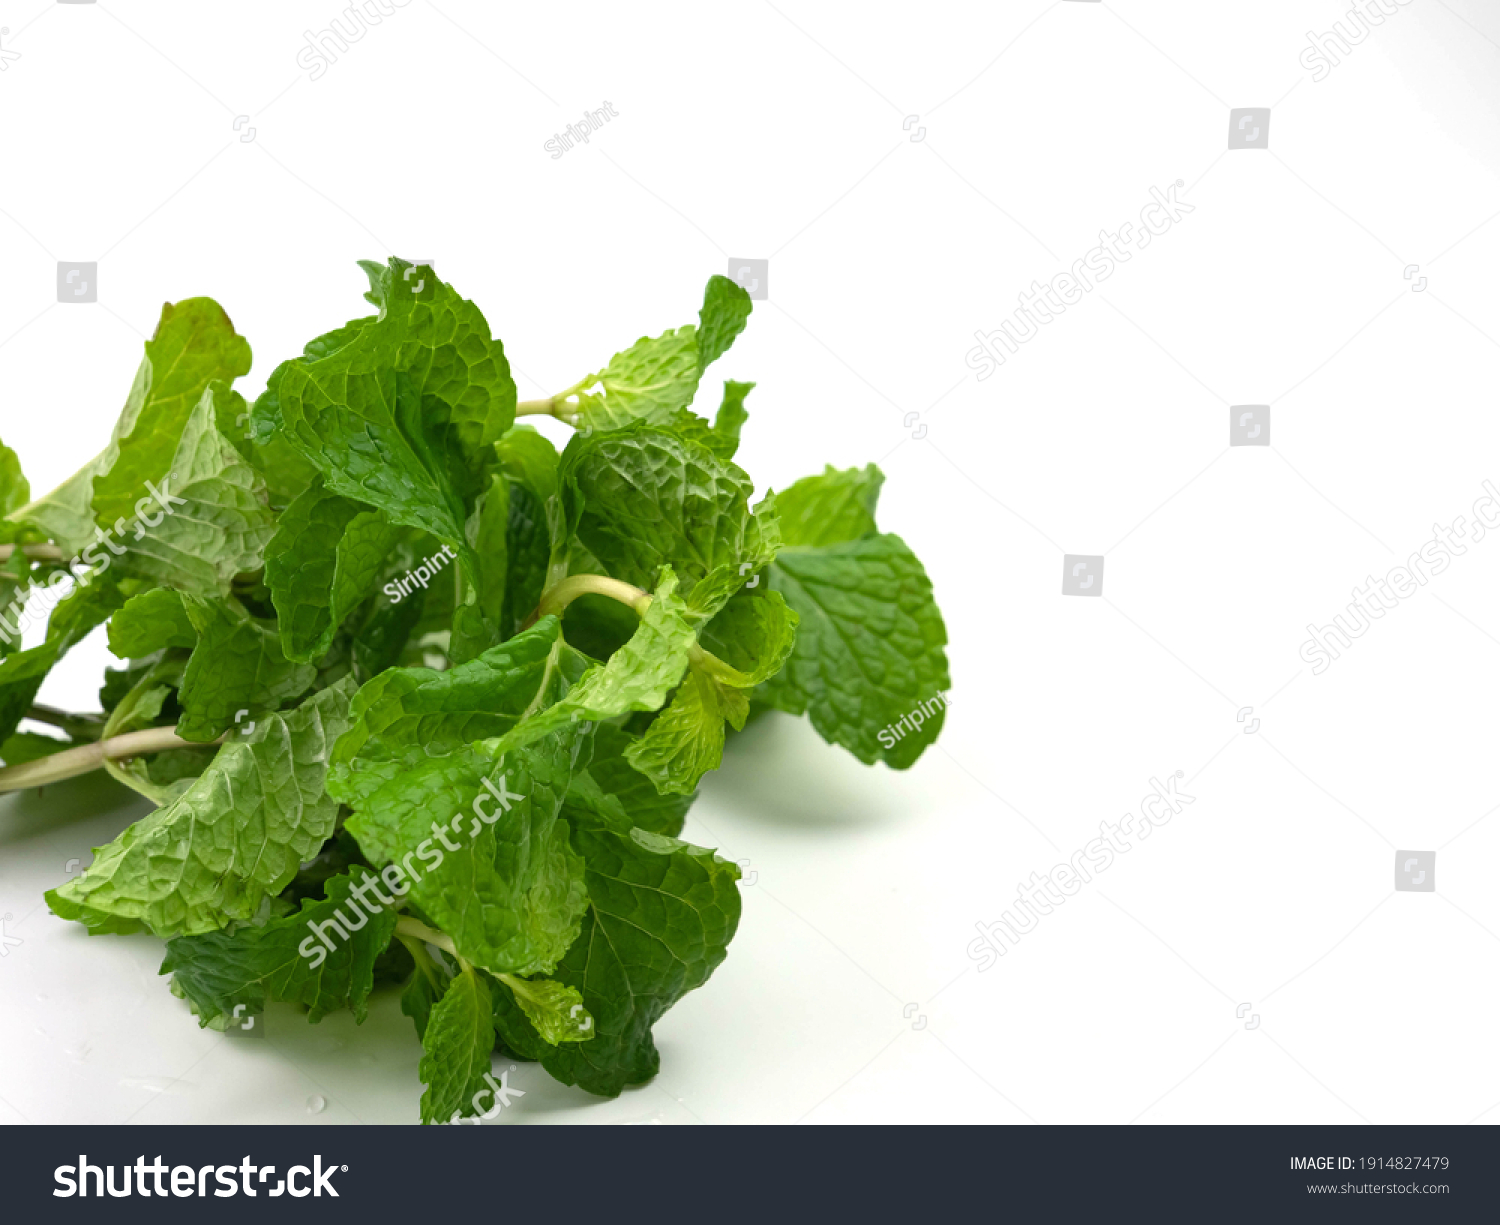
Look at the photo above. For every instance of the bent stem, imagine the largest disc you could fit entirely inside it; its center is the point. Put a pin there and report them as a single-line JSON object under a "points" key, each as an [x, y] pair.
{"points": [[89, 757], [560, 595], [409, 928]]}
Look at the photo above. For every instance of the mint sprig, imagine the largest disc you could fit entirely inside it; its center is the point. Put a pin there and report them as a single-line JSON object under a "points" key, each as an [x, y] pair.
{"points": [[372, 769]]}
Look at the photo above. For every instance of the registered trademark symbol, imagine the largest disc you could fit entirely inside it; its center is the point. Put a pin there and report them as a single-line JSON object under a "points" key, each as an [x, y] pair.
{"points": [[344, 1168]]}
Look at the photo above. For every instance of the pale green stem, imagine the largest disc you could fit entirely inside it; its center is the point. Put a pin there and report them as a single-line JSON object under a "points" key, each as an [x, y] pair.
{"points": [[564, 593], [88, 757], [37, 552], [415, 929]]}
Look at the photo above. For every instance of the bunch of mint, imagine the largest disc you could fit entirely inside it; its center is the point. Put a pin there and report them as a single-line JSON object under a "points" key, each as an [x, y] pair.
{"points": [[420, 699]]}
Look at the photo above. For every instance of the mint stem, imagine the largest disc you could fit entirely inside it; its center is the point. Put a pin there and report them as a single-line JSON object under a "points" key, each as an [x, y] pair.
{"points": [[37, 552], [559, 596], [88, 757], [79, 727]]}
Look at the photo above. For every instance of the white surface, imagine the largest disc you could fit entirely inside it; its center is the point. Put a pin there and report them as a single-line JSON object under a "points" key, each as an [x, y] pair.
{"points": [[753, 130]]}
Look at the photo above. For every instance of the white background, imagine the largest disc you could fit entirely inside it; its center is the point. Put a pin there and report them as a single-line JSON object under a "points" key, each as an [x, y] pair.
{"points": [[756, 130]]}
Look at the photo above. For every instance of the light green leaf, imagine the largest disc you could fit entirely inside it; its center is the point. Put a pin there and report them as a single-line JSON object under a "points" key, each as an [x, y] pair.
{"points": [[687, 739], [554, 1009], [194, 344], [460, 1034], [396, 411], [155, 620], [408, 714], [638, 676], [233, 839], [731, 417], [831, 508], [206, 519]]}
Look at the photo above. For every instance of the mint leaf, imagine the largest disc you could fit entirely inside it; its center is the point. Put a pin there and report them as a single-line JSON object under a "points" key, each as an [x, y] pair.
{"points": [[554, 1009], [233, 839], [237, 666], [205, 520], [313, 598], [731, 417], [282, 961], [14, 491], [195, 343], [657, 377], [155, 620], [661, 915], [610, 770], [394, 411], [638, 676], [482, 851], [456, 1045], [831, 508], [408, 714], [687, 739], [643, 498], [869, 647]]}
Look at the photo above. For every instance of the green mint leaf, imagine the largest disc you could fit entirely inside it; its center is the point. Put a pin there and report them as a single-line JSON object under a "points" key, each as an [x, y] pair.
{"points": [[155, 620], [661, 915], [234, 838], [638, 676], [195, 343], [286, 960], [202, 523], [831, 508], [456, 1045], [407, 714], [869, 647], [396, 411], [655, 379], [687, 739], [237, 666], [15, 492], [611, 771], [643, 498], [554, 1009], [312, 598], [731, 417], [481, 850], [477, 621], [726, 310]]}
